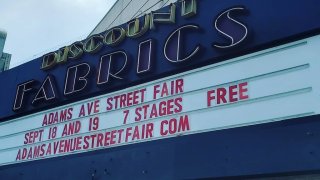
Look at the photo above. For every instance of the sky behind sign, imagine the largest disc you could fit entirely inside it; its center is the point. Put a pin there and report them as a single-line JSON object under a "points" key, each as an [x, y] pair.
{"points": [[37, 27]]}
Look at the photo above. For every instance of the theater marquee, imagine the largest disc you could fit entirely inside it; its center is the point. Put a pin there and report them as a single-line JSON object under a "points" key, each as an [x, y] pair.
{"points": [[189, 68], [196, 101]]}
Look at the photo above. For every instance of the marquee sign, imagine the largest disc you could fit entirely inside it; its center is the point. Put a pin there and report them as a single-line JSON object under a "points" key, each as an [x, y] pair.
{"points": [[180, 37], [182, 104], [197, 81]]}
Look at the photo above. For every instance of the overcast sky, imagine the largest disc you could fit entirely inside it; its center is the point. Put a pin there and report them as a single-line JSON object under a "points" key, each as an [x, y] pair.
{"points": [[36, 27]]}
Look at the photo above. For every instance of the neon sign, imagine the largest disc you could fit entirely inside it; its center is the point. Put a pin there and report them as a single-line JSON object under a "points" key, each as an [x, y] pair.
{"points": [[114, 64]]}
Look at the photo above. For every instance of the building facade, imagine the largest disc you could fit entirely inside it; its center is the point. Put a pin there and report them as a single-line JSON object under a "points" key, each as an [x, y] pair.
{"points": [[4, 57], [126, 10], [198, 89], [5, 62]]}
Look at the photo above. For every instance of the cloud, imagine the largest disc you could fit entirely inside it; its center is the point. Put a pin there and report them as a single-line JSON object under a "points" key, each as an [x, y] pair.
{"points": [[36, 27]]}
